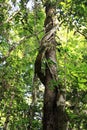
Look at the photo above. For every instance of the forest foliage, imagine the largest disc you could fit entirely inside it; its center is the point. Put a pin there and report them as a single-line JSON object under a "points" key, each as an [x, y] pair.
{"points": [[21, 93]]}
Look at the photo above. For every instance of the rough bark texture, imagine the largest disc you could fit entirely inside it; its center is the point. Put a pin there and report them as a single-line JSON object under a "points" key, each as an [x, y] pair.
{"points": [[54, 117]]}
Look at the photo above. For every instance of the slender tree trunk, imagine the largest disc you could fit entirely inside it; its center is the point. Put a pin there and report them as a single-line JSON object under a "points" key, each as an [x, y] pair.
{"points": [[54, 117], [8, 112], [33, 104]]}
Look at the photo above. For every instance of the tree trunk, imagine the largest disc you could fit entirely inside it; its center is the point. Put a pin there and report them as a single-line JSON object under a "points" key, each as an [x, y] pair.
{"points": [[54, 116], [8, 112]]}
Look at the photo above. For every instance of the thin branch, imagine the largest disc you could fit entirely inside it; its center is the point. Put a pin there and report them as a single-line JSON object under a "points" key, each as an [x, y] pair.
{"points": [[23, 39], [14, 47], [82, 34], [77, 30], [10, 18]]}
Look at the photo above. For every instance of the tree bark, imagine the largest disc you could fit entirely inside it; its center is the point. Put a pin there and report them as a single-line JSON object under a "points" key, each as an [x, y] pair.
{"points": [[54, 116]]}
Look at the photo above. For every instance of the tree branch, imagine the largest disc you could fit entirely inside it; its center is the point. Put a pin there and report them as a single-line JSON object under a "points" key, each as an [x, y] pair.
{"points": [[14, 47], [2, 59], [82, 34]]}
